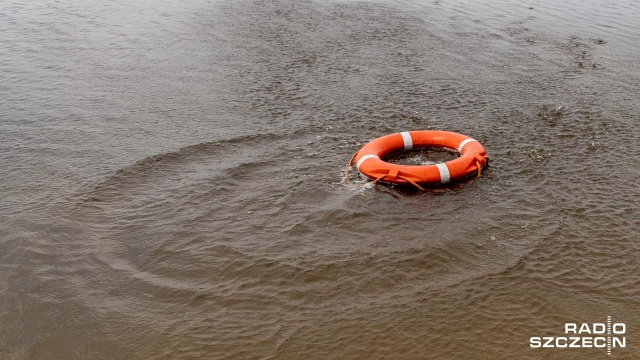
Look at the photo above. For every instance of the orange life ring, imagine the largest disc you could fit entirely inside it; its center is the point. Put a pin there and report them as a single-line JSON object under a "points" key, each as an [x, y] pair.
{"points": [[369, 159]]}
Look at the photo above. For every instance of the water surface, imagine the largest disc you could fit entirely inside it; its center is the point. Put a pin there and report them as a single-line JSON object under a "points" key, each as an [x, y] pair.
{"points": [[172, 178]]}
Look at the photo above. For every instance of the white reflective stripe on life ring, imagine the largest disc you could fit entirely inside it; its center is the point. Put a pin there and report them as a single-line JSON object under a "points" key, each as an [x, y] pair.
{"points": [[463, 143], [362, 159], [444, 173], [408, 142]]}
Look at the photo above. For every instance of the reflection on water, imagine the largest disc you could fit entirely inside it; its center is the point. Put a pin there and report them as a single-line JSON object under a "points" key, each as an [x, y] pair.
{"points": [[172, 178]]}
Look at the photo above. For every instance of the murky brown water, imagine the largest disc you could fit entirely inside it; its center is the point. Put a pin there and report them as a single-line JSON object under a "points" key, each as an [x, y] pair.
{"points": [[171, 179]]}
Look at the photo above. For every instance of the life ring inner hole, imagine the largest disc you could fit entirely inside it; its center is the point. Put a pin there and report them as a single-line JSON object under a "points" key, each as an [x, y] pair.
{"points": [[422, 156]]}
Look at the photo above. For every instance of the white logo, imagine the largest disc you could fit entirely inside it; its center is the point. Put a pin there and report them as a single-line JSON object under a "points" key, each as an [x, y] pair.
{"points": [[607, 335]]}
